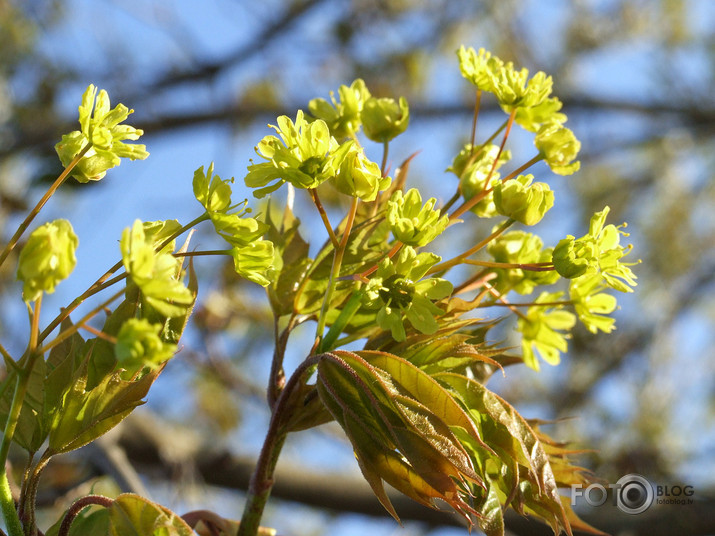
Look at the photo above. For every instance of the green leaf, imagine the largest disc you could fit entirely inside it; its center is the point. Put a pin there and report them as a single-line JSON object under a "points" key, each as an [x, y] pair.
{"points": [[174, 327], [310, 410], [447, 353], [292, 262], [576, 522], [85, 414], [132, 515], [424, 389], [401, 436], [492, 515], [30, 432], [521, 444]]}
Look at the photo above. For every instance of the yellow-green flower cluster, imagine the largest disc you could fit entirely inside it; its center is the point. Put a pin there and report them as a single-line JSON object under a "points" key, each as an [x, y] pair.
{"points": [[597, 253], [342, 117], [139, 345], [411, 222], [384, 119], [397, 289], [47, 258], [156, 273], [100, 128], [544, 330], [592, 306], [381, 118], [513, 88], [558, 147], [306, 155], [252, 255], [531, 102], [303, 156]]}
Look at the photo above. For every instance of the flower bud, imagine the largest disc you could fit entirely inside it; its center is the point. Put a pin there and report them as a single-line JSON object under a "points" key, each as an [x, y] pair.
{"points": [[47, 258], [357, 175], [384, 119], [523, 201], [559, 148], [567, 259]]}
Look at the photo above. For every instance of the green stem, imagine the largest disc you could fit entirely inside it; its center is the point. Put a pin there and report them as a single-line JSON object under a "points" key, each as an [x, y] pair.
{"points": [[346, 314], [32, 484], [335, 271], [385, 150], [12, 520], [259, 488], [276, 379], [23, 378], [18, 397], [99, 285], [476, 154], [75, 327], [471, 251], [41, 203]]}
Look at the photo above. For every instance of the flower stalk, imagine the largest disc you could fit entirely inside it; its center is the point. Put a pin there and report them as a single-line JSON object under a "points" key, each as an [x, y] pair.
{"points": [[41, 203]]}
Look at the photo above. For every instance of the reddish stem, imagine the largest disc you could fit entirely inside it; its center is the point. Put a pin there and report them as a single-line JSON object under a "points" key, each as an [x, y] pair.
{"points": [[79, 505]]}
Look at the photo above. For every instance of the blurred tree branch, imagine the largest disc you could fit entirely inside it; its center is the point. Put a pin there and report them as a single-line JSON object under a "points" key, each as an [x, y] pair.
{"points": [[700, 121]]}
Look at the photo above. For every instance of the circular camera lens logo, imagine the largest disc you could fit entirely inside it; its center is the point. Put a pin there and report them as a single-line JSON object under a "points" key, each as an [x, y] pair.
{"points": [[634, 494]]}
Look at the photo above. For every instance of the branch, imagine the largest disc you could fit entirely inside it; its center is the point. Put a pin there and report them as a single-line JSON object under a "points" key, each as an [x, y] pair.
{"points": [[208, 70], [700, 120]]}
